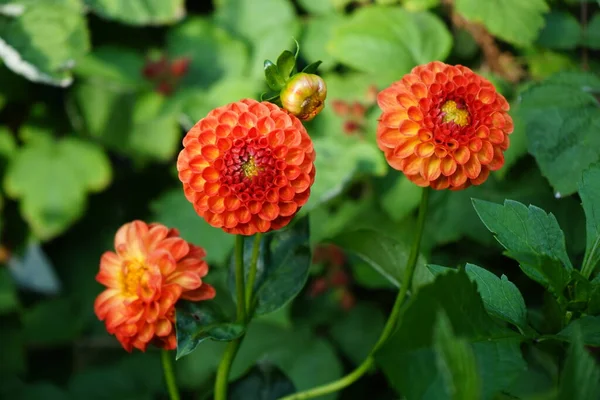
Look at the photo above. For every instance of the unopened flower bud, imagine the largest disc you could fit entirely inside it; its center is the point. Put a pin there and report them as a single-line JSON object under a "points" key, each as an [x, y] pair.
{"points": [[304, 95]]}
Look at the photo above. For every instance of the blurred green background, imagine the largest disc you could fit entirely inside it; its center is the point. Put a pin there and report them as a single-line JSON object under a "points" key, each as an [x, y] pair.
{"points": [[96, 95]]}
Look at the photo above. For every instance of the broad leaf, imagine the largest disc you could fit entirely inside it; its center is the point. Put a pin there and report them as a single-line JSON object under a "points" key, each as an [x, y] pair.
{"points": [[580, 378], [45, 40], [269, 25], [316, 33], [591, 36], [175, 211], [401, 198], [561, 31], [515, 21], [139, 12], [588, 328], [456, 361], [531, 237], [43, 317], [51, 180], [500, 296], [273, 77], [214, 53], [389, 42], [561, 120], [589, 191], [357, 331], [286, 63], [409, 358], [384, 254], [9, 300], [340, 160], [262, 382], [282, 267], [198, 321]]}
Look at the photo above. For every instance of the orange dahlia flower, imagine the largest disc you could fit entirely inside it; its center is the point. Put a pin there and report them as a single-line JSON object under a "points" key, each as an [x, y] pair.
{"points": [[247, 167], [152, 268], [444, 126]]}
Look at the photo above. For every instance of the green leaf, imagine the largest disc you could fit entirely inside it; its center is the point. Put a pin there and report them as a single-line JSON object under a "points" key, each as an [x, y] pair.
{"points": [[588, 329], [561, 31], [544, 63], [113, 65], [55, 318], [268, 25], [500, 296], [401, 198], [274, 79], [518, 143], [13, 357], [515, 21], [318, 7], [357, 331], [594, 300], [561, 120], [456, 362], [386, 255], [282, 268], [175, 211], [340, 160], [388, 42], [214, 53], [286, 64], [34, 270], [198, 321], [408, 358], [312, 67], [580, 378], [51, 180], [531, 237], [589, 191], [591, 36], [44, 41], [139, 12], [419, 5], [139, 124], [262, 382], [316, 33], [9, 300]]}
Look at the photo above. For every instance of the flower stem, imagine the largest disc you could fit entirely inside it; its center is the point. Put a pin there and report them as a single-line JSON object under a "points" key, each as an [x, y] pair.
{"points": [[252, 275], [167, 365], [233, 346], [390, 324]]}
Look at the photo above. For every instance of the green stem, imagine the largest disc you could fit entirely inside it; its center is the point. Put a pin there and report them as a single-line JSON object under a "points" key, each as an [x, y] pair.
{"points": [[233, 346], [390, 324], [167, 365], [252, 275]]}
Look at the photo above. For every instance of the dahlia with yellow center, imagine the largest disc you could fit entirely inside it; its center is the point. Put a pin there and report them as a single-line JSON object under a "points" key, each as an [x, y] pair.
{"points": [[150, 271], [247, 167], [444, 126]]}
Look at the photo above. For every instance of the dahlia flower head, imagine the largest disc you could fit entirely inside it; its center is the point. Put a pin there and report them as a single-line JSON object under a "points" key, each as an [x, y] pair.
{"points": [[150, 271], [444, 126], [247, 167]]}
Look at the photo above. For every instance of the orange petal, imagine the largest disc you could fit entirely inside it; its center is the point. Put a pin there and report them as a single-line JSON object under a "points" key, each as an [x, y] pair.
{"points": [[163, 327], [462, 155], [204, 292], [425, 149], [409, 128], [406, 100], [188, 280], [287, 208], [430, 168], [393, 119], [407, 148], [458, 178], [390, 137], [412, 165], [210, 152], [485, 172], [497, 161], [472, 168], [110, 270], [448, 166], [487, 96], [269, 211], [486, 154], [496, 136]]}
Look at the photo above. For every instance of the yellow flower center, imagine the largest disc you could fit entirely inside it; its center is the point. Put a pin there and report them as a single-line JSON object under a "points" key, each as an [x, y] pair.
{"points": [[132, 274], [250, 168], [459, 116]]}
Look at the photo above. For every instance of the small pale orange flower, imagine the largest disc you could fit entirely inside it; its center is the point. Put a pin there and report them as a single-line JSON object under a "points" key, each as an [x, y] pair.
{"points": [[152, 268], [444, 126], [247, 167]]}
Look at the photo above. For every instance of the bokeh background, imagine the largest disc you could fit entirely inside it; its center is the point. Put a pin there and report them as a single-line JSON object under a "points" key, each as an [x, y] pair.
{"points": [[96, 95]]}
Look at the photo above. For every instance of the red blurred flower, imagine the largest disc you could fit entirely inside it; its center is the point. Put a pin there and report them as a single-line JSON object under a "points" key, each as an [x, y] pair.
{"points": [[151, 269], [166, 73], [247, 167], [444, 126]]}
